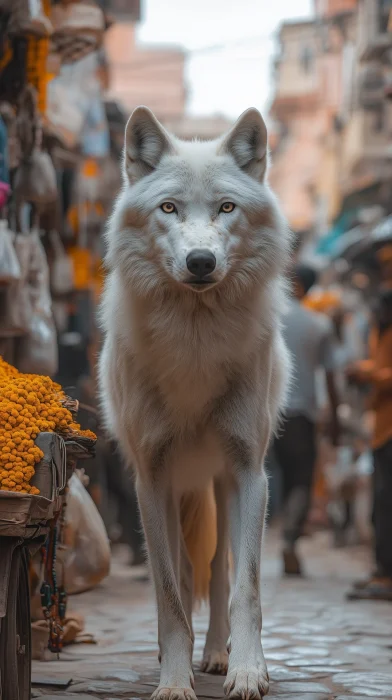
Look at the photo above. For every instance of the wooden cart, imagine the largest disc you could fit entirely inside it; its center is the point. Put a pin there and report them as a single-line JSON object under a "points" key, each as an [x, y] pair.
{"points": [[25, 522]]}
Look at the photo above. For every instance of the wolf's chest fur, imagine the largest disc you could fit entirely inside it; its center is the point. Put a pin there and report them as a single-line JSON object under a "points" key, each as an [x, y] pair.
{"points": [[191, 353]]}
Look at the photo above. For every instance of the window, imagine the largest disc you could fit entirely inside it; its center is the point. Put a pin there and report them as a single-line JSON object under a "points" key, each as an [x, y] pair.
{"points": [[325, 38], [306, 59]]}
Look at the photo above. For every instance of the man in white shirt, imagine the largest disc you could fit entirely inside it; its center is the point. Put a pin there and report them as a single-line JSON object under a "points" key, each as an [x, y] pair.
{"points": [[310, 339]]}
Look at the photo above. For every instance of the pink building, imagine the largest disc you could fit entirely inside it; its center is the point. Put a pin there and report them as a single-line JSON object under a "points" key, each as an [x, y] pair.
{"points": [[333, 8], [152, 76], [314, 93]]}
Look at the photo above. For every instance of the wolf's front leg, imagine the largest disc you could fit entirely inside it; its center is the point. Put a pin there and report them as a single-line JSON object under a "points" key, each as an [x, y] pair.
{"points": [[215, 657], [247, 674], [175, 639]]}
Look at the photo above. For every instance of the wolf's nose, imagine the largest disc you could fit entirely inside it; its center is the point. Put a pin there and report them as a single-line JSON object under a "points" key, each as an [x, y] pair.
{"points": [[201, 263]]}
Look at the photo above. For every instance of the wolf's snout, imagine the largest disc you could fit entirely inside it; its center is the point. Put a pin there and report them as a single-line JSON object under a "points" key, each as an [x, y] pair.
{"points": [[201, 263]]}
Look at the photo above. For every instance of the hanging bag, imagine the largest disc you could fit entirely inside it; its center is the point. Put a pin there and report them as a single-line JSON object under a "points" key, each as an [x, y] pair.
{"points": [[38, 354], [62, 277], [9, 264], [26, 18], [19, 309], [4, 166], [86, 557], [35, 179]]}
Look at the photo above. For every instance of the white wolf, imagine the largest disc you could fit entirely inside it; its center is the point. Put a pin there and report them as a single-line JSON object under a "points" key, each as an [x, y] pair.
{"points": [[193, 374]]}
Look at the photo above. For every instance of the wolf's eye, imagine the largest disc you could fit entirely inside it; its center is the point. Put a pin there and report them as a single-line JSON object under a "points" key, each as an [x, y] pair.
{"points": [[227, 207], [168, 208]]}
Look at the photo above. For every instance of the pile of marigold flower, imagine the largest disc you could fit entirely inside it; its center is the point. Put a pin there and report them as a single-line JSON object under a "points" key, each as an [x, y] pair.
{"points": [[29, 404]]}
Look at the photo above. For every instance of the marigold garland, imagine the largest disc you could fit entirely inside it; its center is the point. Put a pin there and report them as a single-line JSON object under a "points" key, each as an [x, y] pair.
{"points": [[29, 404], [322, 302]]}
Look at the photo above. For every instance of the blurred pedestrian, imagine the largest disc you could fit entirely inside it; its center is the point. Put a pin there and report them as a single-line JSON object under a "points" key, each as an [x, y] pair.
{"points": [[120, 485], [310, 339], [377, 373], [110, 479]]}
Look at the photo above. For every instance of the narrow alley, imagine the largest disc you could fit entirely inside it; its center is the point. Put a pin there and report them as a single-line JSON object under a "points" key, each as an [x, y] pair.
{"points": [[317, 645]]}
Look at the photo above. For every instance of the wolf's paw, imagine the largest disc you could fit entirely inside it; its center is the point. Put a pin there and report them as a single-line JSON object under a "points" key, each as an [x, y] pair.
{"points": [[163, 693], [215, 662], [247, 683]]}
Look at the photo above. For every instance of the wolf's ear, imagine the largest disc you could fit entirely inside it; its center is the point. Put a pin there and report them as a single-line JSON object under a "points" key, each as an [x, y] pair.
{"points": [[247, 143], [145, 143]]}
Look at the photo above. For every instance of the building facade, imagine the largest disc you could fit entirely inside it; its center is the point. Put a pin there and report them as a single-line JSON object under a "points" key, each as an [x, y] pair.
{"points": [[331, 112], [153, 76], [139, 74], [298, 122]]}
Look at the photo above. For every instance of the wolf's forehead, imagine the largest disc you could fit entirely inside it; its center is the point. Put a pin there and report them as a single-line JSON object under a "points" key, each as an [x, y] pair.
{"points": [[204, 177]]}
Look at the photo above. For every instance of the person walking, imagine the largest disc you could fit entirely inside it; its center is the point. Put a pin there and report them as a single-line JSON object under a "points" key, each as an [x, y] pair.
{"points": [[377, 373], [310, 339]]}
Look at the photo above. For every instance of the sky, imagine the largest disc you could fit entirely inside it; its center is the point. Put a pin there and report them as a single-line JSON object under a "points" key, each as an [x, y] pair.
{"points": [[231, 46]]}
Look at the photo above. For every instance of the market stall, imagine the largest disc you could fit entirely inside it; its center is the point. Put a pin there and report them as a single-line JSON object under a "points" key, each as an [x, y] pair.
{"points": [[40, 443], [55, 153], [59, 172]]}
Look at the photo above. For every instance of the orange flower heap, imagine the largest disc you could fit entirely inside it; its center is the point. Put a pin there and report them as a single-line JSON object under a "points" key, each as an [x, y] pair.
{"points": [[29, 404]]}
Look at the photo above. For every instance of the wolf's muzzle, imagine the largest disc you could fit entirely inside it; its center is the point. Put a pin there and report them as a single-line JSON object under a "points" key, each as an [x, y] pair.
{"points": [[200, 263]]}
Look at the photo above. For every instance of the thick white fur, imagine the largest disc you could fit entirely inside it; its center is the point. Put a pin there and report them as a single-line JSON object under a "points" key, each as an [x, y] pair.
{"points": [[192, 381]]}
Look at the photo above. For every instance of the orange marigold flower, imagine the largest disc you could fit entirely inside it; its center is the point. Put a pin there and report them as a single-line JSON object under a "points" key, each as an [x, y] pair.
{"points": [[29, 404]]}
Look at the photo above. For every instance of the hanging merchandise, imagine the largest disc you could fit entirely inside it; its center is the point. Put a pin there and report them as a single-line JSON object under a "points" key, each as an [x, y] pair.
{"points": [[23, 21], [13, 72], [35, 180], [4, 193], [73, 48], [38, 353], [37, 76], [75, 114], [9, 264], [90, 211], [61, 273], [26, 17], [86, 220], [78, 30], [4, 167], [86, 553], [5, 50], [103, 69], [67, 106], [53, 71], [64, 116], [8, 116], [18, 302], [28, 124], [53, 65], [78, 18], [95, 135], [110, 182]]}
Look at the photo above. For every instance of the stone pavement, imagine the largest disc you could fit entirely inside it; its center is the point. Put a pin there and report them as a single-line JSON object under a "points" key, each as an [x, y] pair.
{"points": [[317, 646]]}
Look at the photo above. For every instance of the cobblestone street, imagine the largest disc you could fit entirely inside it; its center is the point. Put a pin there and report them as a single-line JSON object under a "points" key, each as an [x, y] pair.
{"points": [[317, 645]]}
